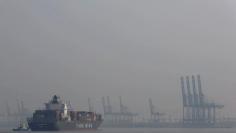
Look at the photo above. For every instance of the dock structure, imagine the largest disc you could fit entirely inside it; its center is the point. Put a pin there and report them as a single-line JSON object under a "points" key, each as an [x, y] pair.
{"points": [[122, 118], [197, 111], [155, 117]]}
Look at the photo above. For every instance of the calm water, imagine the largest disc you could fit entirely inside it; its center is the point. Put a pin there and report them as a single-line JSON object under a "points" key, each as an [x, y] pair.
{"points": [[145, 130]]}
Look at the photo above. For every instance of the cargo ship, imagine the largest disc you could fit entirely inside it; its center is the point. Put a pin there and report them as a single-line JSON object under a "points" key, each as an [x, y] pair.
{"points": [[58, 116]]}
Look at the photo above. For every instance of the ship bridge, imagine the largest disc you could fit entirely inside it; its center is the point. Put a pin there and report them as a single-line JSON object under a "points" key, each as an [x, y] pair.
{"points": [[55, 104]]}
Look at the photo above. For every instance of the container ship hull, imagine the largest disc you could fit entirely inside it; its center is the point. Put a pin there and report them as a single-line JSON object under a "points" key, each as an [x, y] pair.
{"points": [[57, 126]]}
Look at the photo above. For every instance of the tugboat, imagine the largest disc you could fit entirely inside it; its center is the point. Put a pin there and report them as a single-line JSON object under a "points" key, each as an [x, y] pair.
{"points": [[57, 116], [21, 127]]}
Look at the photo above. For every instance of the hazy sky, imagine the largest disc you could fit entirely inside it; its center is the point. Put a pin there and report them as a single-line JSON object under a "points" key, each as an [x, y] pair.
{"points": [[131, 48]]}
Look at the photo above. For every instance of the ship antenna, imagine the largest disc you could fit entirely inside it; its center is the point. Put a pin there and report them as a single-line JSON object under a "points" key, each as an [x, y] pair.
{"points": [[69, 105]]}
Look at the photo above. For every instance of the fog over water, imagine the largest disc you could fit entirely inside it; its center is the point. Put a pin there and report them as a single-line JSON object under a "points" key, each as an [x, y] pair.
{"points": [[135, 49]]}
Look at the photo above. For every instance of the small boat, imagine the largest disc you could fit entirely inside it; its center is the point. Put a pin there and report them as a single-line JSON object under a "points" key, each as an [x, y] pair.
{"points": [[21, 127]]}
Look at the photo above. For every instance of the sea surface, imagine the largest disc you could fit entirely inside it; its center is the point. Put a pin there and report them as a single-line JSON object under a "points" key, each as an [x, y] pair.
{"points": [[144, 130]]}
